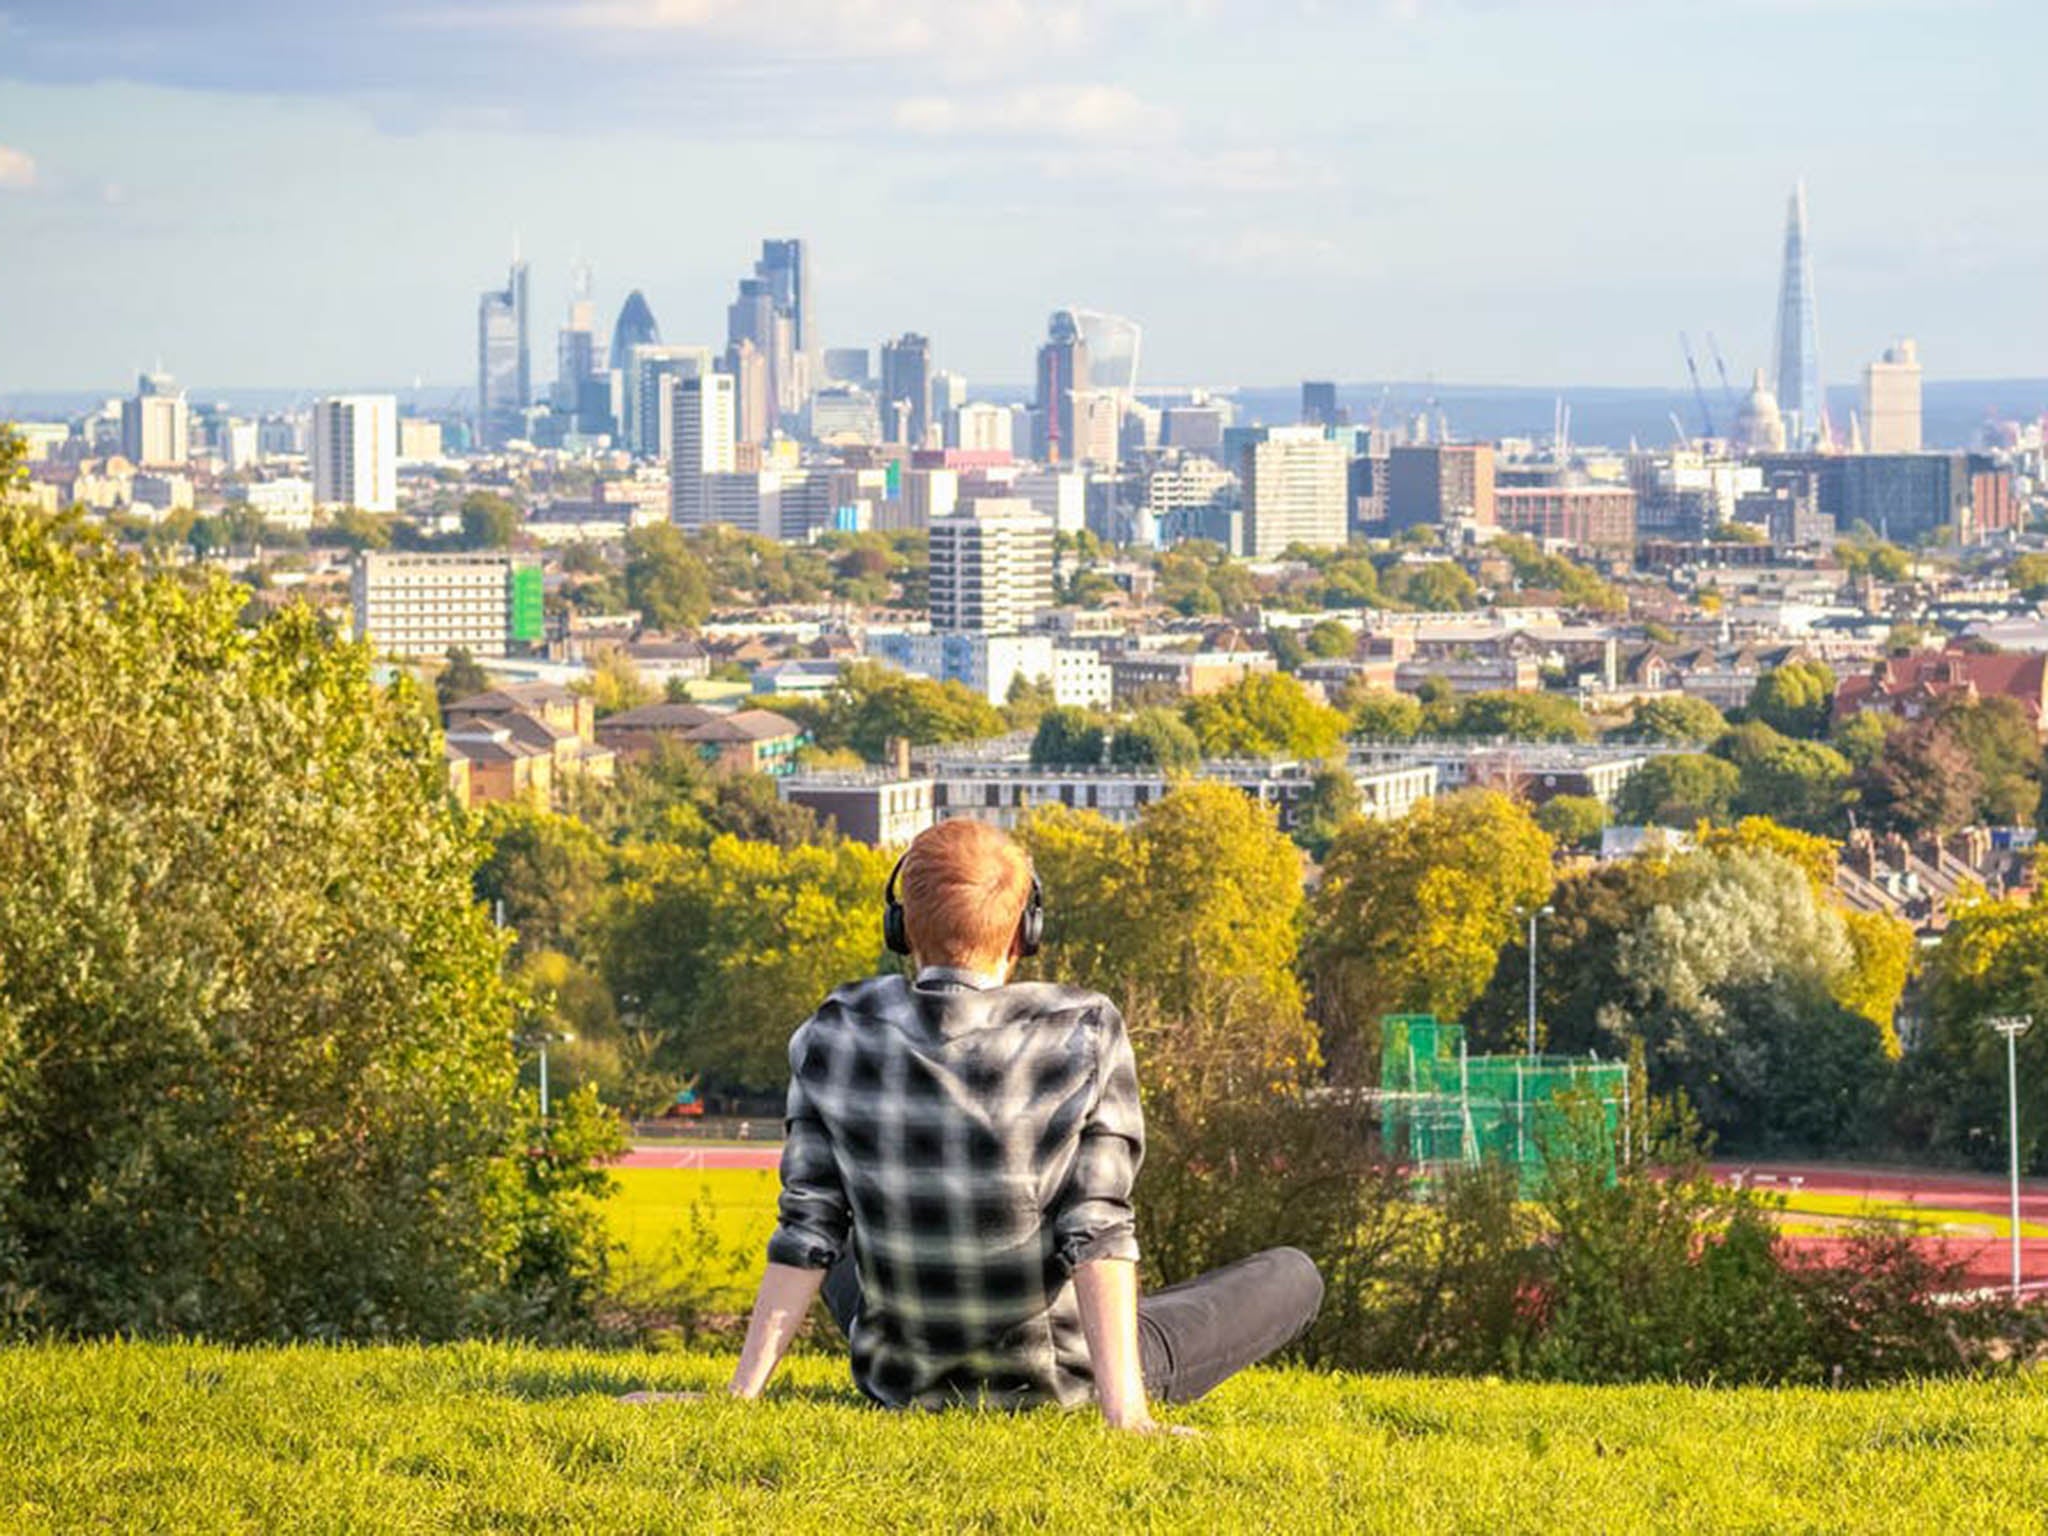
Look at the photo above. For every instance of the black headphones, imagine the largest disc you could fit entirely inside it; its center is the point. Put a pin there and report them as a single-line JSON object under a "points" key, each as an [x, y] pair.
{"points": [[896, 933]]}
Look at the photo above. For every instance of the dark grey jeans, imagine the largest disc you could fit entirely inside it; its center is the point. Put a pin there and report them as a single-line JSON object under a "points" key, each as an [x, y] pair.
{"points": [[1192, 1335]]}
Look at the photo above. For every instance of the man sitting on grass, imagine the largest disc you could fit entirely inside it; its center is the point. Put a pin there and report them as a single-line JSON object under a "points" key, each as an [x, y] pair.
{"points": [[957, 1177]]}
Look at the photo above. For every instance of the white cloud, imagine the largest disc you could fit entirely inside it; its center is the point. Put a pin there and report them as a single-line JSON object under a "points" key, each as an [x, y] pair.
{"points": [[1278, 252], [1100, 114], [847, 28], [17, 170]]}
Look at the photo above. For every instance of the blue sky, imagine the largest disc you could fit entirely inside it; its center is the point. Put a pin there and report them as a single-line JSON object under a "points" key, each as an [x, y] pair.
{"points": [[270, 192]]}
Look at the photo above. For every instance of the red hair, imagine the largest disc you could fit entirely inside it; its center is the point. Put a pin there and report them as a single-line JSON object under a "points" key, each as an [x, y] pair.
{"points": [[964, 887]]}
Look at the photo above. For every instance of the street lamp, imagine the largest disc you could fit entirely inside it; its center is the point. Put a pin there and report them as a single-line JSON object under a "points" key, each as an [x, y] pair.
{"points": [[2012, 1026], [1545, 911], [540, 1040]]}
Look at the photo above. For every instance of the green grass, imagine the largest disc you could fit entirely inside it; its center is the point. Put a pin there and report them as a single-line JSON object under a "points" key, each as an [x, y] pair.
{"points": [[655, 1208], [476, 1438]]}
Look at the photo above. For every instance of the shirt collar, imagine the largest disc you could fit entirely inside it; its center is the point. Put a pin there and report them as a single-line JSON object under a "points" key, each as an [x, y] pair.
{"points": [[957, 976]]}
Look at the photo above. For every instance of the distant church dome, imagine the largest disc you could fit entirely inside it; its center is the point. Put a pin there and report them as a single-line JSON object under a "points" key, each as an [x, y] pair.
{"points": [[1759, 425]]}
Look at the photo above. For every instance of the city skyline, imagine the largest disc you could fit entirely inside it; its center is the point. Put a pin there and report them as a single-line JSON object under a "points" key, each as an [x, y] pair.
{"points": [[1517, 200]]}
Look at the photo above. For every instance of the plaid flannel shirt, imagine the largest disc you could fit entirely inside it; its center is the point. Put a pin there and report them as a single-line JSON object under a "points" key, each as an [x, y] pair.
{"points": [[975, 1142]]}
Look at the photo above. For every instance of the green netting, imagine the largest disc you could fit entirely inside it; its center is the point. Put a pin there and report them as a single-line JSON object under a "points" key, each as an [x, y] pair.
{"points": [[1442, 1108]]}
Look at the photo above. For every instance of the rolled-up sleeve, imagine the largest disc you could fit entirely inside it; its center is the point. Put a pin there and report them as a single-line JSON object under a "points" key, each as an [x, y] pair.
{"points": [[812, 1215], [1092, 1215]]}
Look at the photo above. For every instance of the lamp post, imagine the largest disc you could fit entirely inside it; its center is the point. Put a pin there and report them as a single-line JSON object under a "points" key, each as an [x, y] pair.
{"points": [[1534, 914], [2012, 1026], [540, 1039]]}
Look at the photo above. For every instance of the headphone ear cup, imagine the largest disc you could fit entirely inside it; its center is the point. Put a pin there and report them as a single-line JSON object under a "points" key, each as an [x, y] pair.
{"points": [[1031, 932], [895, 932]]}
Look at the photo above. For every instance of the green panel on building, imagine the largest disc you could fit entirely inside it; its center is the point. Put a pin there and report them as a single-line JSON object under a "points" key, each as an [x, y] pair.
{"points": [[893, 478], [527, 605]]}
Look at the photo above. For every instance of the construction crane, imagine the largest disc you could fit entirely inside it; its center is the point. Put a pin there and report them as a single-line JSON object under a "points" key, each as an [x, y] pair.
{"points": [[1727, 389], [1698, 393]]}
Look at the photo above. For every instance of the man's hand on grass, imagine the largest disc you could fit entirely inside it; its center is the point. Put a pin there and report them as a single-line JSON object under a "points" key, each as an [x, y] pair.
{"points": [[1145, 1424]]}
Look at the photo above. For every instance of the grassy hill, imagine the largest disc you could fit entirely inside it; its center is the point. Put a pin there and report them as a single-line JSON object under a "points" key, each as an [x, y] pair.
{"points": [[190, 1438]]}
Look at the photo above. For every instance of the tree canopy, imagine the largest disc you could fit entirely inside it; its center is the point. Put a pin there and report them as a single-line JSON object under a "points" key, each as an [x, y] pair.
{"points": [[1265, 714]]}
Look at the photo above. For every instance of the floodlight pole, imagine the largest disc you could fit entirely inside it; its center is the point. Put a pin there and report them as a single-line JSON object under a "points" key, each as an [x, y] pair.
{"points": [[1533, 915], [2012, 1026]]}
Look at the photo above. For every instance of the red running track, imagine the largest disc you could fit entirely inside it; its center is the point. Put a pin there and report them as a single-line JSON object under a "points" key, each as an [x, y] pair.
{"points": [[768, 1155], [1987, 1260]]}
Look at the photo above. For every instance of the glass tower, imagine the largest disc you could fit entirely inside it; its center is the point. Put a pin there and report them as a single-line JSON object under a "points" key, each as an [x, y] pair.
{"points": [[504, 369], [1801, 396]]}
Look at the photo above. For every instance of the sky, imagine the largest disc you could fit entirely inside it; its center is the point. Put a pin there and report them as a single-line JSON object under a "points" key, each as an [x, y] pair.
{"points": [[288, 194]]}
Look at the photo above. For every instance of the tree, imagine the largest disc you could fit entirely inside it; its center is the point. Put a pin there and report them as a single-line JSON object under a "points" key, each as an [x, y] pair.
{"points": [[1676, 719], [1992, 960], [1923, 781], [1027, 700], [461, 678], [1187, 922], [1998, 738], [1331, 640], [1154, 738], [871, 704], [1801, 783], [1380, 716], [1265, 714], [665, 580], [1861, 737], [1433, 585], [2029, 573], [615, 684], [1572, 821], [1332, 801], [489, 521], [722, 953], [543, 874], [1517, 716], [1795, 699], [255, 1078], [1067, 738], [1678, 790], [1412, 913]]}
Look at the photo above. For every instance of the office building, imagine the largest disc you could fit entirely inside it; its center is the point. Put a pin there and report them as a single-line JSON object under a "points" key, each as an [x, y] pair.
{"points": [[1062, 369], [1113, 344], [156, 423], [410, 604], [786, 267], [1098, 423], [504, 369], [991, 566], [653, 368], [847, 365], [635, 327], [978, 427], [906, 389], [949, 393], [1891, 401], [419, 440], [753, 404], [1440, 483], [1598, 517], [1295, 492], [702, 433], [355, 452], [1319, 404], [844, 413], [1195, 428], [1801, 392], [576, 356]]}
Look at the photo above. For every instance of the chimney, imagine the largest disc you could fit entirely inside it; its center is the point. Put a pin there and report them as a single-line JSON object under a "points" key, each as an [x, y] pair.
{"points": [[897, 751]]}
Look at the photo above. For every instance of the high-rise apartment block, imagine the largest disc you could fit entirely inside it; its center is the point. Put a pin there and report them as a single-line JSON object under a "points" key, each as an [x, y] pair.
{"points": [[355, 452], [1437, 483], [156, 423], [489, 604], [1295, 492], [991, 566], [906, 389], [703, 436], [504, 367], [1891, 401]]}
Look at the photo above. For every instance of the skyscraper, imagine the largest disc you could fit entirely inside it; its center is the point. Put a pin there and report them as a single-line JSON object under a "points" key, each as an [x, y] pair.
{"points": [[504, 368], [156, 423], [1801, 393], [355, 452], [702, 433], [576, 359], [1318, 403], [1062, 369], [906, 389], [786, 266], [635, 328], [1891, 401], [754, 406], [651, 410]]}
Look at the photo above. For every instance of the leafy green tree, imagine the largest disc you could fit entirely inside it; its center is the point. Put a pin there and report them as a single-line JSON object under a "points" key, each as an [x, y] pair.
{"points": [[1795, 699], [462, 678], [1187, 922], [1676, 719], [1801, 783], [1434, 586], [665, 580], [1027, 702], [544, 874], [1860, 738], [1333, 801], [1412, 913], [1518, 716], [1265, 714], [1331, 640], [489, 521], [870, 704], [1154, 738], [1381, 716], [1992, 960], [255, 1078], [1678, 790], [1572, 821], [1067, 738], [2029, 573], [615, 684], [356, 529], [1997, 736]]}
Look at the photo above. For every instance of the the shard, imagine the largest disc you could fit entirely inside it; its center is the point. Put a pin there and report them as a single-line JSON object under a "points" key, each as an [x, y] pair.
{"points": [[1801, 394]]}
